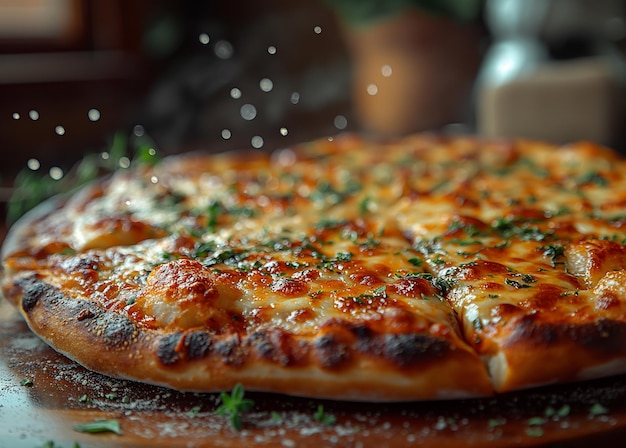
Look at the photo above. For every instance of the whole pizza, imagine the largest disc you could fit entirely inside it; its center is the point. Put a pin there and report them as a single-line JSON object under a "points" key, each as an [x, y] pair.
{"points": [[422, 268]]}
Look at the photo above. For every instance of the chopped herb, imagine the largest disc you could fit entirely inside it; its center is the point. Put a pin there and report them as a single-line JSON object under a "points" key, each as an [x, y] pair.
{"points": [[563, 411], [381, 291], [27, 382], [592, 177], [344, 256], [327, 223], [131, 301], [369, 243], [99, 426], [226, 256], [111, 396], [526, 230], [214, 210], [455, 225], [203, 250], [597, 409], [467, 242], [536, 421], [534, 431], [67, 251], [326, 193], [276, 417], [323, 417], [494, 422], [365, 205], [515, 283], [502, 245], [443, 284], [428, 246], [528, 278], [554, 251], [562, 210], [234, 405], [415, 261], [84, 399]]}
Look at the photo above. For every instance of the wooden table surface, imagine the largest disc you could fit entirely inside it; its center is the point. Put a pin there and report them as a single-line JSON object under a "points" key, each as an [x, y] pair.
{"points": [[60, 394]]}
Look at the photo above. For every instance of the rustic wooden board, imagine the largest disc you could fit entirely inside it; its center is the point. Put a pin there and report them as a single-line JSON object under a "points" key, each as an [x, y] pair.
{"points": [[63, 394]]}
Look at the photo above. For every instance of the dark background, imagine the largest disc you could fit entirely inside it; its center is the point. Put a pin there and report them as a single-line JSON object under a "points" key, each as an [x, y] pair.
{"points": [[143, 63]]}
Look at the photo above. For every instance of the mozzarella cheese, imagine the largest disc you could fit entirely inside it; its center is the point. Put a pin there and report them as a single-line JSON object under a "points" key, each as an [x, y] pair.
{"points": [[459, 239]]}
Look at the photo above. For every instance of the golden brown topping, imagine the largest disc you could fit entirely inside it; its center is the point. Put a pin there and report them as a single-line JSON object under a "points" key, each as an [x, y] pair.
{"points": [[592, 259]]}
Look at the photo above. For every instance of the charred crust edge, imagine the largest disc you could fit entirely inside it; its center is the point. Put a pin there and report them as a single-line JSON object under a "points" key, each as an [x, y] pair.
{"points": [[602, 336], [268, 345], [35, 291], [111, 328], [406, 349], [230, 350], [167, 348], [197, 344], [402, 349], [330, 351]]}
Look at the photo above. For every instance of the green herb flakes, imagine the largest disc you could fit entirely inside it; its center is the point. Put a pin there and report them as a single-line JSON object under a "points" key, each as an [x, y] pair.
{"points": [[495, 422], [98, 426], [534, 431], [234, 405], [323, 417], [597, 409], [536, 421]]}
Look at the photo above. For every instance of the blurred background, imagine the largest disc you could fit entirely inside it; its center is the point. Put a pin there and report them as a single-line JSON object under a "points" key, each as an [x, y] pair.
{"points": [[80, 76]]}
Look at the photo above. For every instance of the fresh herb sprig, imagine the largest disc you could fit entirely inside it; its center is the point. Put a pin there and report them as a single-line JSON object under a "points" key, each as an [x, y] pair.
{"points": [[324, 417], [233, 405], [32, 187]]}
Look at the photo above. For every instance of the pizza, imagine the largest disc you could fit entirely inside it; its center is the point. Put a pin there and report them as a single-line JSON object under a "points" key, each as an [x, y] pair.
{"points": [[420, 268]]}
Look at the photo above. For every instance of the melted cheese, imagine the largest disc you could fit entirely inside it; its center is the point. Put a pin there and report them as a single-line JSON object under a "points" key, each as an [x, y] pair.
{"points": [[456, 238]]}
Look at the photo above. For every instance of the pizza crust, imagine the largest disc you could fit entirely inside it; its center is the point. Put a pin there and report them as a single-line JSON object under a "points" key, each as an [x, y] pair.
{"points": [[535, 353], [197, 361]]}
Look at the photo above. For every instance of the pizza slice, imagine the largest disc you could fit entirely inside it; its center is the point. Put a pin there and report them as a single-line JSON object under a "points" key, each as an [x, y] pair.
{"points": [[532, 257]]}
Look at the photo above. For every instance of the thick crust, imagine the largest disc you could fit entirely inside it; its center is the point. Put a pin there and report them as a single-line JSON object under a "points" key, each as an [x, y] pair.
{"points": [[536, 353], [402, 367]]}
